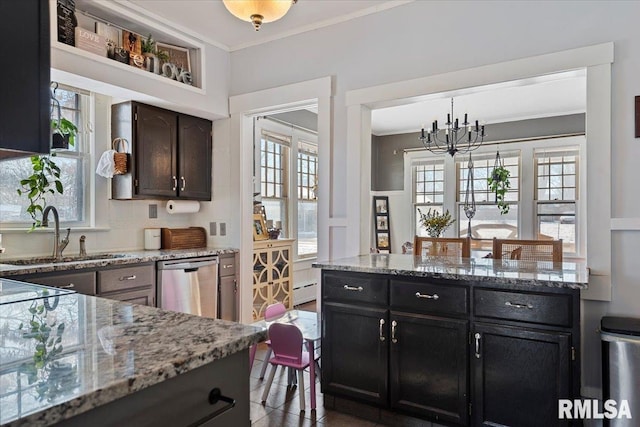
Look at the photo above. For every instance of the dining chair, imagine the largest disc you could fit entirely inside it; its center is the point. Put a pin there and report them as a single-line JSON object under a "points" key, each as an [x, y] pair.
{"points": [[272, 312], [528, 250], [287, 345], [442, 246]]}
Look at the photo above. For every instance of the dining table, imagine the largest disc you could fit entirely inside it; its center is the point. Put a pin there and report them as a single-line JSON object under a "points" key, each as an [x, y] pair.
{"points": [[309, 324]]}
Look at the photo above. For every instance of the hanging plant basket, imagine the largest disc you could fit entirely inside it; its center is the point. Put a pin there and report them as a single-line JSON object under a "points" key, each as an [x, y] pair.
{"points": [[499, 184]]}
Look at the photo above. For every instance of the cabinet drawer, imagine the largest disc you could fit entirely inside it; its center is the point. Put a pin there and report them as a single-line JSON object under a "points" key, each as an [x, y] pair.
{"points": [[424, 297], [354, 288], [530, 307], [227, 266], [83, 283], [120, 279]]}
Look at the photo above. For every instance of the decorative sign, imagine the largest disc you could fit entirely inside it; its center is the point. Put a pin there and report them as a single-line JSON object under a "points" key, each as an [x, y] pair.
{"points": [[91, 42], [66, 21]]}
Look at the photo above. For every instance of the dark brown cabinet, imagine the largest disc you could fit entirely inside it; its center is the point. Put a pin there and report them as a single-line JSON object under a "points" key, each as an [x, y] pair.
{"points": [[450, 351], [170, 153], [24, 79]]}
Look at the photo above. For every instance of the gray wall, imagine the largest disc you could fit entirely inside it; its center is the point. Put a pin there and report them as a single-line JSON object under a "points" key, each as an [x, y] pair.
{"points": [[387, 163], [302, 118]]}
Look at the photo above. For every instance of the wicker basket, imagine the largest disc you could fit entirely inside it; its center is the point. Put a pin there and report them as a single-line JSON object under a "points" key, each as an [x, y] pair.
{"points": [[120, 158]]}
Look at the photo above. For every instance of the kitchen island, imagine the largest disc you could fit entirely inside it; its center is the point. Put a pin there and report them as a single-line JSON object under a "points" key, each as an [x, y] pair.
{"points": [[71, 359], [456, 340]]}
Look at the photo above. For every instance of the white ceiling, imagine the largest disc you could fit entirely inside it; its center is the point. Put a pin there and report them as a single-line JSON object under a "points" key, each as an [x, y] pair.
{"points": [[210, 21], [544, 96]]}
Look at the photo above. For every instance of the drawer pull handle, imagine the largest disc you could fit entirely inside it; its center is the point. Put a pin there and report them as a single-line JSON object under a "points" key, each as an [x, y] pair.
{"points": [[69, 286], [477, 336], [381, 332], [516, 305], [393, 332], [427, 296], [132, 277], [216, 396], [353, 288], [227, 265]]}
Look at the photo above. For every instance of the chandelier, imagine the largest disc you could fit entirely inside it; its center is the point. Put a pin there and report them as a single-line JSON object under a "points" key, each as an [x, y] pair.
{"points": [[258, 11], [455, 138]]}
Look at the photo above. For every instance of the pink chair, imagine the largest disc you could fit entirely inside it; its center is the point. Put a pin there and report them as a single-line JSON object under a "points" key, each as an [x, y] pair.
{"points": [[286, 342], [272, 312]]}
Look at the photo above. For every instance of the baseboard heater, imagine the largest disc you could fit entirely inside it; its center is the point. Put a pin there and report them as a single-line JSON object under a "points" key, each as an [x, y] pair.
{"points": [[304, 293]]}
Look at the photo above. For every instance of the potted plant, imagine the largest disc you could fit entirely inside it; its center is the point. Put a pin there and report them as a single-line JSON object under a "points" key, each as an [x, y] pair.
{"points": [[434, 222], [64, 133], [44, 180], [499, 184], [152, 55]]}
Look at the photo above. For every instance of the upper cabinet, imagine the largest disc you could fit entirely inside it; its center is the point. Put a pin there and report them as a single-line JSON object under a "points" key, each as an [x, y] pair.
{"points": [[170, 153], [24, 78]]}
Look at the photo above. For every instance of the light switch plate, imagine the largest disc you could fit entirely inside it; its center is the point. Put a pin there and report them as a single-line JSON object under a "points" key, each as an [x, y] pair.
{"points": [[212, 229], [153, 211], [223, 228]]}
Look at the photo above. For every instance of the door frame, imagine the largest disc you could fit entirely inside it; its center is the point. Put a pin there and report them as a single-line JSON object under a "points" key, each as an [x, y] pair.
{"points": [[243, 108]]}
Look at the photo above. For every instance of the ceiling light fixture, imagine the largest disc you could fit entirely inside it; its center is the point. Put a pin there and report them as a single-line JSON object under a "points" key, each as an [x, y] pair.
{"points": [[453, 138], [258, 11]]}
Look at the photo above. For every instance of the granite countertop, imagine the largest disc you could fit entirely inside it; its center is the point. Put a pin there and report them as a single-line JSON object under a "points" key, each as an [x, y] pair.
{"points": [[122, 258], [103, 350], [499, 271]]}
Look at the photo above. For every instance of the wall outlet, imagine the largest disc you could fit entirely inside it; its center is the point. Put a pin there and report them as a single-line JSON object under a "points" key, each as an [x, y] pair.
{"points": [[223, 228], [153, 211], [212, 229]]}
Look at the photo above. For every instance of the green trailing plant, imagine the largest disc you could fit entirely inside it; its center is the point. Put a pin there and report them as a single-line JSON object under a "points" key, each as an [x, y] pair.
{"points": [[65, 127], [44, 181], [52, 375], [434, 222], [499, 184]]}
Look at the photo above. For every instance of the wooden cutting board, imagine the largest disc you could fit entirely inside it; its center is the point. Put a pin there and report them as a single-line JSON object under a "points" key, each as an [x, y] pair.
{"points": [[184, 238]]}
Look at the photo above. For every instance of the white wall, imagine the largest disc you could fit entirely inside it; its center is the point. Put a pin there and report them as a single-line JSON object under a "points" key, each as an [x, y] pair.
{"points": [[407, 42]]}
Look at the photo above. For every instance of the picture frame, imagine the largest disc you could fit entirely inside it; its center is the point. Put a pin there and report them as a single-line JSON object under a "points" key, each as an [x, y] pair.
{"points": [[382, 227], [382, 223], [259, 228], [177, 55]]}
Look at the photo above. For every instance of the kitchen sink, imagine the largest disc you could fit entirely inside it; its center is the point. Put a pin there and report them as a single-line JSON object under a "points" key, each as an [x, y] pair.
{"points": [[50, 260]]}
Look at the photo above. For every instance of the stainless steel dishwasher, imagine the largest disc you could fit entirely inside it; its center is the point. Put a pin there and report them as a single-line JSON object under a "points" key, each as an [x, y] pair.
{"points": [[189, 285]]}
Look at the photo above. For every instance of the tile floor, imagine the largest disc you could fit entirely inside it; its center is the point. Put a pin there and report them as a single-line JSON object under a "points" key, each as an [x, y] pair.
{"points": [[282, 408]]}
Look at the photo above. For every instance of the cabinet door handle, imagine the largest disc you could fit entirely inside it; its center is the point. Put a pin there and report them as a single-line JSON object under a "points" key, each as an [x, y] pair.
{"points": [[381, 330], [393, 331], [227, 265], [517, 305], [123, 278], [184, 183], [175, 183], [477, 336], [353, 288], [69, 286], [427, 296], [216, 396]]}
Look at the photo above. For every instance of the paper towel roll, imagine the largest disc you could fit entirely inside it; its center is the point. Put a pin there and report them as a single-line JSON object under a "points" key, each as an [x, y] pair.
{"points": [[183, 206]]}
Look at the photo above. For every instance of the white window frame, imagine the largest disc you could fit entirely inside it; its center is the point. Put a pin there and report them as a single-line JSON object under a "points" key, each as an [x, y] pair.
{"points": [[527, 218], [295, 136], [84, 149]]}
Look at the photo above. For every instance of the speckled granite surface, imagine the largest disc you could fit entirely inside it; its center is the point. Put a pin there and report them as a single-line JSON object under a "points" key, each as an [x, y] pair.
{"points": [[507, 272], [106, 350], [130, 257]]}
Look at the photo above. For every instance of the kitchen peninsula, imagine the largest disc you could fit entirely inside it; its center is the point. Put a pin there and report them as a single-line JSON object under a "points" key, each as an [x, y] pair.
{"points": [[458, 340], [79, 360]]}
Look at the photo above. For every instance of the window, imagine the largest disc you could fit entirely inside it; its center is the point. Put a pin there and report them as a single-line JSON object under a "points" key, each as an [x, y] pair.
{"points": [[556, 195], [488, 222], [307, 172], [428, 179], [274, 157], [74, 163]]}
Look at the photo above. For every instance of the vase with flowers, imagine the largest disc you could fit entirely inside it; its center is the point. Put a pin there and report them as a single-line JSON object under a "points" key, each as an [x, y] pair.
{"points": [[434, 222]]}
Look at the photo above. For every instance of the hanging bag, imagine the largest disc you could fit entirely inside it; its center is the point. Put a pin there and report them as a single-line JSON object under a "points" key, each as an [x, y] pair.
{"points": [[120, 156]]}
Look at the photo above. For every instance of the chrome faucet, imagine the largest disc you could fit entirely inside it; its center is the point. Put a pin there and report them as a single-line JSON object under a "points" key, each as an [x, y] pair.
{"points": [[58, 246]]}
